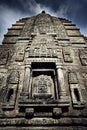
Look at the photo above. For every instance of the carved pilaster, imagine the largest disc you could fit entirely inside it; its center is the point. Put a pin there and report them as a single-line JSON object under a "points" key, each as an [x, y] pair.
{"points": [[25, 90], [61, 85]]}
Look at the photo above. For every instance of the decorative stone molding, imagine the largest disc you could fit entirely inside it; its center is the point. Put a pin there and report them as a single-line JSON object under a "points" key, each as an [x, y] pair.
{"points": [[19, 56]]}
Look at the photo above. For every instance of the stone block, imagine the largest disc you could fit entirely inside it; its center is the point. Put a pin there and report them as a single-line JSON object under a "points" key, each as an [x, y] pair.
{"points": [[29, 113]]}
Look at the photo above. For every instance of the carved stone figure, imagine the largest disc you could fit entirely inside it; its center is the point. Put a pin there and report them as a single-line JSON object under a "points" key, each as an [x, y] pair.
{"points": [[42, 87]]}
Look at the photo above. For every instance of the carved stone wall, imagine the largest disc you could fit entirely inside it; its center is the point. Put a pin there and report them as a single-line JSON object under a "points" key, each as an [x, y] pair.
{"points": [[43, 75], [83, 56]]}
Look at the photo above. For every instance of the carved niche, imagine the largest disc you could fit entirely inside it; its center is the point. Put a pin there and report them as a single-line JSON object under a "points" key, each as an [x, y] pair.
{"points": [[11, 91], [67, 55], [75, 90], [13, 77], [42, 87], [83, 56]]}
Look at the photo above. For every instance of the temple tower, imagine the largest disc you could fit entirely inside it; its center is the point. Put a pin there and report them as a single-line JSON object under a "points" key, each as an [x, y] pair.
{"points": [[43, 75]]}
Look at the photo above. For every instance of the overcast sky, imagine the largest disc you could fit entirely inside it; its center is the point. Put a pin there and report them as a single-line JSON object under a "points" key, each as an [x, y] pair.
{"points": [[12, 10]]}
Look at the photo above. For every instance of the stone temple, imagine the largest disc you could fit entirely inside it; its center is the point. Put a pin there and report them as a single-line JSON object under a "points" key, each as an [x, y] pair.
{"points": [[43, 75]]}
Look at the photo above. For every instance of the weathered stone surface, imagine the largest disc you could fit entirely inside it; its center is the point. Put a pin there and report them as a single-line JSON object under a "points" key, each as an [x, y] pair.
{"points": [[67, 55], [83, 56], [73, 77], [13, 77], [43, 74], [42, 87], [3, 56]]}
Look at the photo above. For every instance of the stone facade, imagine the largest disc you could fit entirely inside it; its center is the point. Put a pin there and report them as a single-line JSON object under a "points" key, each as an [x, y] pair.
{"points": [[43, 75]]}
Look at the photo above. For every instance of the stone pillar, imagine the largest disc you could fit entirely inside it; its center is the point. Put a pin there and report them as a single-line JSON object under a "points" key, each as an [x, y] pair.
{"points": [[63, 98], [60, 81], [25, 90]]}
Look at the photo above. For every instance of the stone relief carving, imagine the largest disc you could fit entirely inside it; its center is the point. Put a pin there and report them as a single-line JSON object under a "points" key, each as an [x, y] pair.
{"points": [[73, 77], [42, 87], [42, 52], [19, 54], [75, 90], [13, 77], [59, 29], [84, 75], [67, 55], [44, 24], [83, 56]]}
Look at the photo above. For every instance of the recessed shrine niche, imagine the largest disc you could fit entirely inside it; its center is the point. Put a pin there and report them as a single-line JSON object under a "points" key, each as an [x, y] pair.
{"points": [[43, 87], [43, 81]]}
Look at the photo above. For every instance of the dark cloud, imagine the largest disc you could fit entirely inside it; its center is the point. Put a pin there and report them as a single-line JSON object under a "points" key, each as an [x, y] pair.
{"points": [[12, 10]]}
